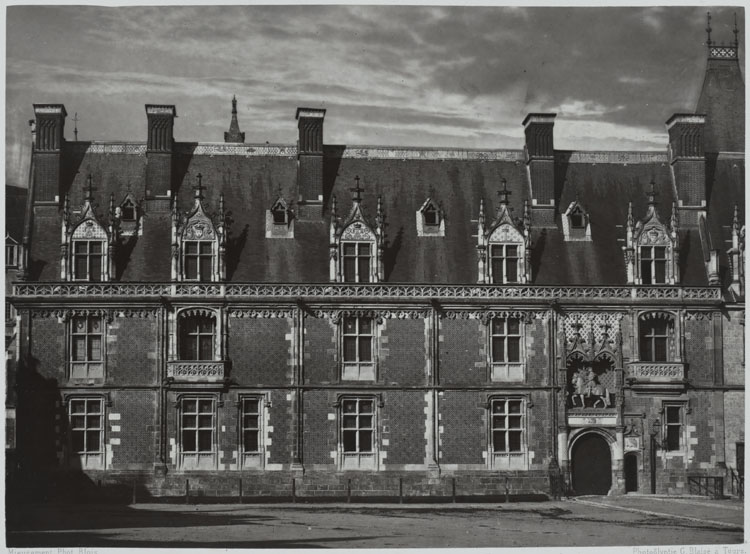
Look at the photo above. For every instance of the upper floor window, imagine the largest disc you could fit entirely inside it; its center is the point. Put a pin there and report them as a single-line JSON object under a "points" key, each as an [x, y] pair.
{"points": [[654, 340], [198, 260], [86, 417], [357, 259], [430, 220], [506, 349], [431, 216], [197, 433], [577, 220], [653, 265], [88, 260], [507, 433], [280, 220], [358, 426], [197, 337], [358, 340], [504, 263], [86, 347]]}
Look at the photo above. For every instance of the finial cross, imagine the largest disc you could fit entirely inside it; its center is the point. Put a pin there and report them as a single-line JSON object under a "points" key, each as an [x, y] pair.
{"points": [[75, 128], [199, 188], [503, 194], [357, 190]]}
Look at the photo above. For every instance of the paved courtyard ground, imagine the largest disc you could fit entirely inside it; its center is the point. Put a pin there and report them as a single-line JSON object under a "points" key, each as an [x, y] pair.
{"points": [[587, 521]]}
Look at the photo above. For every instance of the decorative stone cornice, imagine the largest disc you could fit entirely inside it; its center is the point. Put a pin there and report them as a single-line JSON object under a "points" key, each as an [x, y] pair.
{"points": [[341, 291], [527, 316], [657, 371], [336, 315], [698, 315]]}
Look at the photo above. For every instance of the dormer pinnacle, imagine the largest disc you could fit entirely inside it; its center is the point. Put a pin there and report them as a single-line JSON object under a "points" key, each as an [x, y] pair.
{"points": [[356, 191], [198, 189], [708, 29], [234, 134]]}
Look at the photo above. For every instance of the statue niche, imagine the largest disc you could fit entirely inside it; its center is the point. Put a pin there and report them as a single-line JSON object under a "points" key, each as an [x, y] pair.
{"points": [[590, 382]]}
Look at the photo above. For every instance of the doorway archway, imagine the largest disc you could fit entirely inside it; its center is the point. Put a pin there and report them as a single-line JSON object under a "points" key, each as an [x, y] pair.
{"points": [[592, 465]]}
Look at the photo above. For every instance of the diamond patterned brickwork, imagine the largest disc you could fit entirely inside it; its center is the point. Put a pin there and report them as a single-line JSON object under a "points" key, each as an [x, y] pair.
{"points": [[699, 345], [462, 352], [48, 349], [134, 431], [403, 425], [320, 351], [734, 429], [463, 427], [259, 350], [131, 351], [405, 363], [320, 420], [734, 349]]}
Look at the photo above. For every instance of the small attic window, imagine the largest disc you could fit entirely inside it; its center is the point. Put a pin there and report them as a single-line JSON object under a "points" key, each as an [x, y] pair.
{"points": [[431, 215], [577, 220], [127, 211], [279, 213]]}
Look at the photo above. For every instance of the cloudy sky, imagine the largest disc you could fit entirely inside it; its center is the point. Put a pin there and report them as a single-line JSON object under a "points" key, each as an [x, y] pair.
{"points": [[388, 75]]}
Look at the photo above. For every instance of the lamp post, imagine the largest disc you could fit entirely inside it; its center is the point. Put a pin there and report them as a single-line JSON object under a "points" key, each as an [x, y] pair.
{"points": [[655, 426]]}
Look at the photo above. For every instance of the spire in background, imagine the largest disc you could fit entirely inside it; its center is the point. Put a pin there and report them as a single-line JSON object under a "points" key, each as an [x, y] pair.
{"points": [[708, 29], [234, 134]]}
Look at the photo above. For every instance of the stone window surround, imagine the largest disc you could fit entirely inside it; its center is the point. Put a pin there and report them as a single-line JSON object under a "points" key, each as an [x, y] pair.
{"points": [[358, 461], [507, 460], [197, 460], [73, 459], [102, 361]]}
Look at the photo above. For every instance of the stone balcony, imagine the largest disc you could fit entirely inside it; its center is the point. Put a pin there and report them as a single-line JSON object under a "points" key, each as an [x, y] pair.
{"points": [[661, 377], [192, 371]]}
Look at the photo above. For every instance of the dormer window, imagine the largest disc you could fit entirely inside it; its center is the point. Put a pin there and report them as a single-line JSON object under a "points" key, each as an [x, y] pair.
{"points": [[198, 243], [504, 247], [652, 247], [127, 211], [11, 254], [575, 223], [430, 220], [88, 245], [356, 245], [88, 260], [279, 221], [653, 265]]}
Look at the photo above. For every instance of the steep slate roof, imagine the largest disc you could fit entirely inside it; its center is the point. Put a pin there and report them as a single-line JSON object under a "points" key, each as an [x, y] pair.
{"points": [[722, 100], [605, 184]]}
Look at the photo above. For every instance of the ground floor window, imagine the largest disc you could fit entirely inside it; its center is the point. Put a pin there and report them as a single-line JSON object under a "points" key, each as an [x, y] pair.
{"points": [[198, 428], [358, 433], [251, 436], [673, 427], [507, 433], [86, 433]]}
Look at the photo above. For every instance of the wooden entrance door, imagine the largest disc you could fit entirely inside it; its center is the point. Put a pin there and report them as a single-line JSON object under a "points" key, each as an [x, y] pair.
{"points": [[631, 473], [592, 465]]}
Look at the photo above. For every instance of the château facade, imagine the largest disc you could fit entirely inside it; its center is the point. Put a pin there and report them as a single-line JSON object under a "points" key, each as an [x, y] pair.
{"points": [[321, 318]]}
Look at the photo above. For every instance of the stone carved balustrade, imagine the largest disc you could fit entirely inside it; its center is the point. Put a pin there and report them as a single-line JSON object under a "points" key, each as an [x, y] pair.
{"points": [[197, 371], [657, 376]]}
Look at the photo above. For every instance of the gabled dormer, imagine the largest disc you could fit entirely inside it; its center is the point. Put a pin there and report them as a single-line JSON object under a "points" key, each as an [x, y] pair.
{"points": [[575, 223], [129, 213], [198, 241], [279, 220], [504, 246], [652, 247], [430, 219], [88, 241], [356, 244]]}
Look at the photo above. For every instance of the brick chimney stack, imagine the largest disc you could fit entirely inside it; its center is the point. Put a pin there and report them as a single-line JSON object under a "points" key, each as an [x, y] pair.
{"points": [[310, 154], [48, 145], [540, 163], [159, 148], [688, 161]]}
